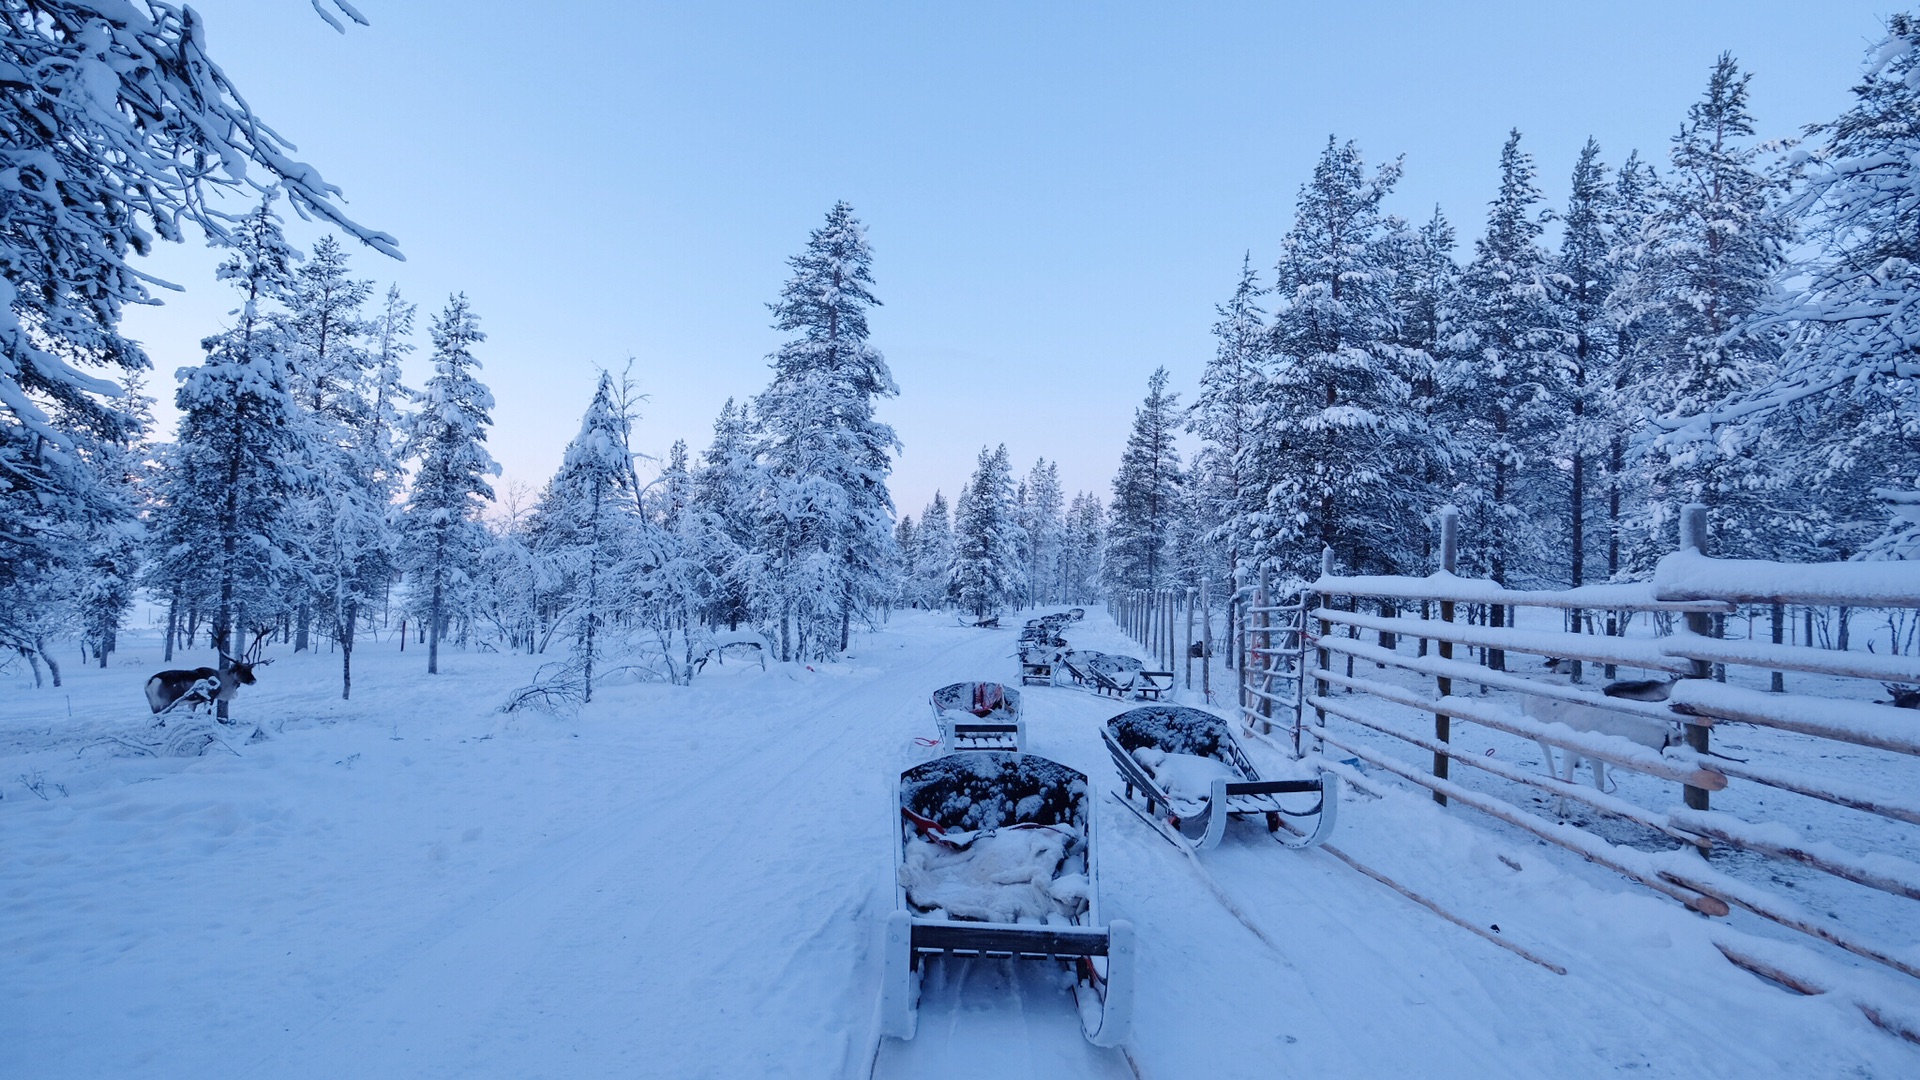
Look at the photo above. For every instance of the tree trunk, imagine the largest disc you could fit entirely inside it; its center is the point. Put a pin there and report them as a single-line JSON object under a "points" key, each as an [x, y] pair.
{"points": [[433, 615], [348, 625]]}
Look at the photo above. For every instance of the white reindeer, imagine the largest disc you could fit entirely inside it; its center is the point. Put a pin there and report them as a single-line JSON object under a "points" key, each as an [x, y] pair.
{"points": [[1580, 716]]}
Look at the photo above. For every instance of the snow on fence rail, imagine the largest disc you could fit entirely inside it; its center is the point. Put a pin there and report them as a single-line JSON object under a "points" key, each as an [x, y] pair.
{"points": [[1306, 658]]}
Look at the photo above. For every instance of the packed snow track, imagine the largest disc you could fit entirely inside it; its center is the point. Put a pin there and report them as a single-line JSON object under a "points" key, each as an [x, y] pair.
{"points": [[692, 883]]}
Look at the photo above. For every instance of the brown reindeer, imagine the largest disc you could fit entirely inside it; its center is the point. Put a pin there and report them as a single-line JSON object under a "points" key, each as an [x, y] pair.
{"points": [[205, 685]]}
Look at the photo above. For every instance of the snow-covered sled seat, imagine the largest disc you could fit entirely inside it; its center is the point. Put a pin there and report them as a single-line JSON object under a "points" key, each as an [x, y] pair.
{"points": [[979, 716], [1194, 776], [995, 857]]}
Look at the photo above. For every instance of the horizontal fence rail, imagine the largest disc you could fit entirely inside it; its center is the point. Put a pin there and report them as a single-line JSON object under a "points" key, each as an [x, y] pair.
{"points": [[1357, 665]]}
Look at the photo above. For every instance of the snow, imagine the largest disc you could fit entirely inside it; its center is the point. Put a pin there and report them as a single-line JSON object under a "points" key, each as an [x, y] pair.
{"points": [[1689, 575], [1186, 778], [690, 882]]}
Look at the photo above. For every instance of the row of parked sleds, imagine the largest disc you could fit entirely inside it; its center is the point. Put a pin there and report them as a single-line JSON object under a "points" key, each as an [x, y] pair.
{"points": [[996, 853], [1047, 660]]}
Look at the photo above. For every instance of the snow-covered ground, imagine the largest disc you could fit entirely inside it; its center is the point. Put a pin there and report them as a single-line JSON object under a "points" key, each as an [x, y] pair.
{"points": [[689, 883]]}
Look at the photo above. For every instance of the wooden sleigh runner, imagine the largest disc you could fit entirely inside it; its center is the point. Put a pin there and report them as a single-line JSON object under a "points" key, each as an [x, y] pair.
{"points": [[979, 716], [994, 857], [1193, 776]]}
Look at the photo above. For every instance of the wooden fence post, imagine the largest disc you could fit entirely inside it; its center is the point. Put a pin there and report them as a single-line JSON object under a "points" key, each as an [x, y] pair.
{"points": [[1693, 534], [1263, 665], [1442, 723], [1320, 655]]}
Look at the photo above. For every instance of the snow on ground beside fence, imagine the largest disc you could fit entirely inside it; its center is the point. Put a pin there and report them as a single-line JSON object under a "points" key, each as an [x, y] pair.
{"points": [[684, 882]]}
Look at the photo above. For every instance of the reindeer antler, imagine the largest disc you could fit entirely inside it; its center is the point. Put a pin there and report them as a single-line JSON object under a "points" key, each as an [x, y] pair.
{"points": [[252, 655]]}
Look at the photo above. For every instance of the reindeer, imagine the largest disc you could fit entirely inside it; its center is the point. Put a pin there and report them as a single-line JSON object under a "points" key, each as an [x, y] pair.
{"points": [[205, 685], [1653, 734]]}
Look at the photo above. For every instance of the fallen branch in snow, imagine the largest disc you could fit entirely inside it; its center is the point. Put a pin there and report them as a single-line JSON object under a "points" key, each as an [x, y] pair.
{"points": [[556, 688]]}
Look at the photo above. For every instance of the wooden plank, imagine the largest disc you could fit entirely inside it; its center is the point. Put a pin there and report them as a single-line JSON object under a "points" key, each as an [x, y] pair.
{"points": [[1009, 939], [1767, 655], [1689, 575], [1632, 652], [1467, 672], [1861, 723], [1612, 749], [1566, 836], [1608, 804], [1637, 596]]}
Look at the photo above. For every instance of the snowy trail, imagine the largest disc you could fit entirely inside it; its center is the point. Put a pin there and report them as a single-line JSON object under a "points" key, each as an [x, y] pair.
{"points": [[689, 882], [580, 924]]}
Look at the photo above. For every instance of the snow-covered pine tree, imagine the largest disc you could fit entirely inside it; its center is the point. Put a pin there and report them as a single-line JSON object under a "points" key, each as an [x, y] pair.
{"points": [[116, 129], [1848, 371], [441, 536], [348, 391], [241, 448], [1086, 540], [1044, 519], [825, 515], [723, 490], [1585, 278], [1341, 444], [1224, 416], [1145, 493], [1719, 240], [591, 515], [933, 557], [1635, 315], [988, 571], [906, 537], [1506, 385]]}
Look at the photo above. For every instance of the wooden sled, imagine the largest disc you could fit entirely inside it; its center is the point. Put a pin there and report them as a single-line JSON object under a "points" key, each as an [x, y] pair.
{"points": [[992, 803], [979, 716], [1193, 776]]}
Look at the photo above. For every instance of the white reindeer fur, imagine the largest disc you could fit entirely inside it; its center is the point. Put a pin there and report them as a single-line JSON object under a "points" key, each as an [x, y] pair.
{"points": [[1581, 716]]}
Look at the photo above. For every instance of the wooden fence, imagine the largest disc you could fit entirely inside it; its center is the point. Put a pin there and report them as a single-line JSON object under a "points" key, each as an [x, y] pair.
{"points": [[1310, 667]]}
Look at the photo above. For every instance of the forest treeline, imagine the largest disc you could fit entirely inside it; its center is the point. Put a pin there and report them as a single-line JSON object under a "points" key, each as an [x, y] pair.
{"points": [[1734, 323]]}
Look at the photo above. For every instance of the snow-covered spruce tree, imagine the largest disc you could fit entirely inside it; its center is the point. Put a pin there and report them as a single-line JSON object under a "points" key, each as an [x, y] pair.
{"points": [[1224, 416], [116, 129], [1584, 281], [723, 491], [932, 567], [1718, 242], [1086, 540], [241, 448], [1043, 517], [349, 393], [1505, 386], [906, 537], [1636, 316], [591, 515], [1841, 408], [988, 571], [507, 591], [825, 516], [1145, 493], [441, 536], [1342, 443]]}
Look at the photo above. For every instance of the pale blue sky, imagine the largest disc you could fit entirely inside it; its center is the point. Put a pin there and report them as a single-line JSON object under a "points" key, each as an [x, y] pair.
{"points": [[1057, 194]]}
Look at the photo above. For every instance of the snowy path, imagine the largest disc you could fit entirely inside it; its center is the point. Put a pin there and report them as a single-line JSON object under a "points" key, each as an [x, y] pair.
{"points": [[687, 883]]}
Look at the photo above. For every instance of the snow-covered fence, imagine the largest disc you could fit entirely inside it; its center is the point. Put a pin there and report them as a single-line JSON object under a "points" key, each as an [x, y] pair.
{"points": [[1362, 699]]}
